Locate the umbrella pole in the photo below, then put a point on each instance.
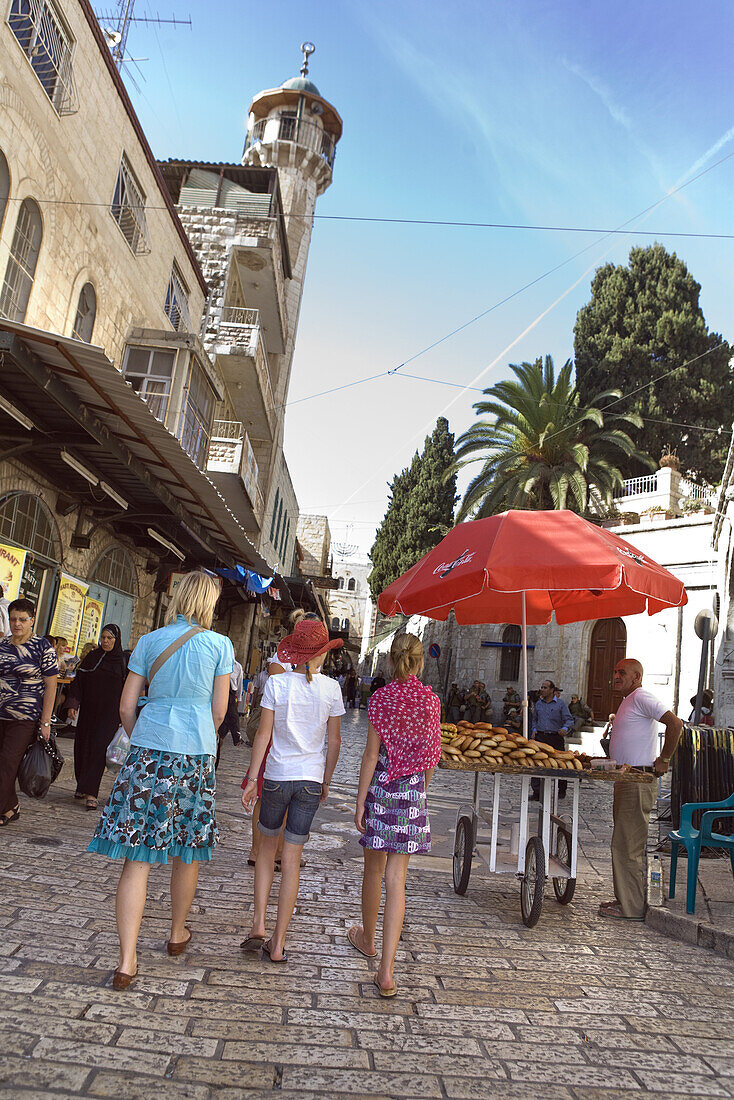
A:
(524, 668)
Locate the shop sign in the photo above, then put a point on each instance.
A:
(67, 617)
(91, 623)
(173, 582)
(32, 579)
(12, 561)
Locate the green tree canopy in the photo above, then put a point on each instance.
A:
(542, 447)
(644, 319)
(420, 510)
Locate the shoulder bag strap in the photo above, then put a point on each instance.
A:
(171, 649)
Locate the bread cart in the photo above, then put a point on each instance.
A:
(533, 853)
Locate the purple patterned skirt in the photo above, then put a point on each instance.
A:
(396, 815)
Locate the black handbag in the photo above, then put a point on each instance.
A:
(39, 767)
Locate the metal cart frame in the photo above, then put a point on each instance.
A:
(552, 851)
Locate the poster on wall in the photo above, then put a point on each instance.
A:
(12, 561)
(31, 581)
(91, 623)
(67, 617)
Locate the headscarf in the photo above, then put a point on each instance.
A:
(100, 660)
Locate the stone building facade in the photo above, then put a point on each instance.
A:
(98, 278)
(349, 601)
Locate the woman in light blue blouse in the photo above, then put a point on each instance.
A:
(162, 802)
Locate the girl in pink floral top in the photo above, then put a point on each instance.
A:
(403, 747)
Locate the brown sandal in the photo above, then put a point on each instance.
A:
(179, 947)
(120, 980)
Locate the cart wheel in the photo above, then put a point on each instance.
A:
(564, 887)
(463, 845)
(533, 882)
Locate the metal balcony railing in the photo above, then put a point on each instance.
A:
(239, 315)
(298, 130)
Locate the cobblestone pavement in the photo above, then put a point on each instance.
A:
(576, 1008)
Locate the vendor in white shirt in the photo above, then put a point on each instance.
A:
(634, 741)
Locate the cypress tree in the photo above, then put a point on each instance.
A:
(420, 511)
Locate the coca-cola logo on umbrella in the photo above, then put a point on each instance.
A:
(445, 568)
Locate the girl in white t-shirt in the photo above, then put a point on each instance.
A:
(301, 711)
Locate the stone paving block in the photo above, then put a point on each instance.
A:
(704, 1046)
(35, 1094)
(96, 1054)
(639, 1060)
(572, 1052)
(724, 1067)
(236, 1012)
(223, 995)
(682, 1027)
(419, 1044)
(374, 1003)
(348, 1082)
(683, 1084)
(296, 1054)
(19, 1073)
(620, 1040)
(121, 1016)
(51, 1024)
(479, 1029)
(444, 1063)
(16, 1042)
(273, 1033)
(172, 1045)
(466, 1012)
(333, 1018)
(458, 1088)
(11, 983)
(105, 994)
(136, 1087)
(570, 1075)
(239, 1075)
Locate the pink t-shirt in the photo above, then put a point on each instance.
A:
(407, 717)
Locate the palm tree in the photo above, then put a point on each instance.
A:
(543, 448)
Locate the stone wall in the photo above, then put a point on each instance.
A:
(314, 536)
(69, 166)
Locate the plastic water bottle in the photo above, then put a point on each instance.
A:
(655, 881)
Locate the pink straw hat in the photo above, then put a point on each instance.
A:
(310, 639)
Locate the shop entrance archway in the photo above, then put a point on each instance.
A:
(608, 646)
(26, 522)
(114, 582)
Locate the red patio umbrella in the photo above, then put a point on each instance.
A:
(521, 567)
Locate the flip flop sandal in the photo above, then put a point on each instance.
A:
(266, 951)
(79, 796)
(12, 816)
(389, 992)
(353, 940)
(91, 804)
(252, 944)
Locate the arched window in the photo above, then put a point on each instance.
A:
(4, 186)
(86, 313)
(21, 269)
(115, 569)
(335, 623)
(352, 584)
(510, 662)
(25, 520)
(345, 624)
(341, 582)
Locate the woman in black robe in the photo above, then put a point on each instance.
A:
(95, 697)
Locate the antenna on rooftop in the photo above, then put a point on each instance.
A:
(115, 27)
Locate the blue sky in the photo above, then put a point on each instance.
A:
(570, 114)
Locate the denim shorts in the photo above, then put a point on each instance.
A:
(299, 798)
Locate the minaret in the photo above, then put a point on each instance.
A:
(294, 129)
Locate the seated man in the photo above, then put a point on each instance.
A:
(513, 721)
(581, 713)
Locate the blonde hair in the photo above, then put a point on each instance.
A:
(195, 598)
(406, 654)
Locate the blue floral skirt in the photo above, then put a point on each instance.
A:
(396, 813)
(161, 805)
